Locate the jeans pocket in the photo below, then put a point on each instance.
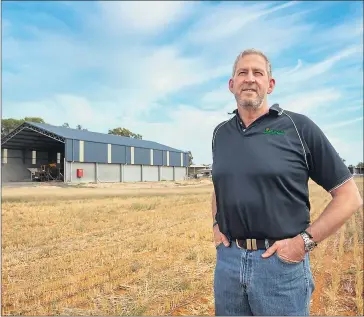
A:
(285, 261)
(219, 245)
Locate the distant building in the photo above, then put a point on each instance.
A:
(356, 170)
(199, 171)
(84, 156)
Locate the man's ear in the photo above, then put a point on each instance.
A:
(231, 85)
(272, 84)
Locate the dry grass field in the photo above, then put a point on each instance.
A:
(141, 249)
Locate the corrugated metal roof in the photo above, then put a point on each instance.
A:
(83, 135)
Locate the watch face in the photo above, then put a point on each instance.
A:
(311, 245)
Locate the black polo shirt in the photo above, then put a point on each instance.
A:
(260, 173)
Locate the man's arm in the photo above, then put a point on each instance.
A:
(218, 236)
(213, 206)
(346, 200)
(328, 170)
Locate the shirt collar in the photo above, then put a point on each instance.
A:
(275, 109)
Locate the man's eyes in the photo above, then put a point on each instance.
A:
(255, 73)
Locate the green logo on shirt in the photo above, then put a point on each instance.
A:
(272, 131)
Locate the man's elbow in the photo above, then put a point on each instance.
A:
(356, 198)
(355, 202)
(350, 193)
(359, 201)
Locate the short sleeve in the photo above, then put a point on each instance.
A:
(326, 167)
(213, 138)
(213, 143)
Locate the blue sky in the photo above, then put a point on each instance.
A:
(161, 69)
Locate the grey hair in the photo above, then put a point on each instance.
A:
(249, 52)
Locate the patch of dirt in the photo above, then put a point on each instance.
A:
(187, 308)
(162, 184)
(318, 298)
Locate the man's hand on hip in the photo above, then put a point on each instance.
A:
(291, 250)
(220, 237)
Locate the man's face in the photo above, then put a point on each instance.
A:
(250, 83)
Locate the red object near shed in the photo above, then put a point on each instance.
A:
(79, 172)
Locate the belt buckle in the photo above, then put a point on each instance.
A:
(237, 244)
(251, 244)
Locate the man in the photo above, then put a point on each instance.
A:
(262, 160)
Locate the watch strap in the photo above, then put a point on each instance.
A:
(309, 234)
(309, 243)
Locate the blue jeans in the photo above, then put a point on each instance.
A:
(246, 284)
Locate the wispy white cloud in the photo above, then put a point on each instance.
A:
(93, 115)
(307, 102)
(142, 16)
(342, 124)
(350, 149)
(342, 33)
(311, 73)
(225, 21)
(226, 29)
(295, 69)
(216, 97)
(346, 109)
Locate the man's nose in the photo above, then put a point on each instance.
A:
(250, 77)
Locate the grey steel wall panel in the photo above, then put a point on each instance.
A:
(89, 172)
(41, 159)
(69, 150)
(15, 170)
(52, 157)
(150, 173)
(186, 160)
(68, 172)
(95, 152)
(14, 153)
(118, 154)
(180, 173)
(141, 156)
(174, 159)
(76, 150)
(166, 173)
(41, 156)
(38, 162)
(164, 158)
(132, 173)
(157, 157)
(128, 155)
(108, 173)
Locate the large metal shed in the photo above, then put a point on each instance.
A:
(85, 156)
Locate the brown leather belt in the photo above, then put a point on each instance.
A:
(254, 244)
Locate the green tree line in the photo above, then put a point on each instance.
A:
(359, 165)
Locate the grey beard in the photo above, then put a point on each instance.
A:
(252, 104)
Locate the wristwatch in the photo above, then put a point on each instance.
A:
(307, 239)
